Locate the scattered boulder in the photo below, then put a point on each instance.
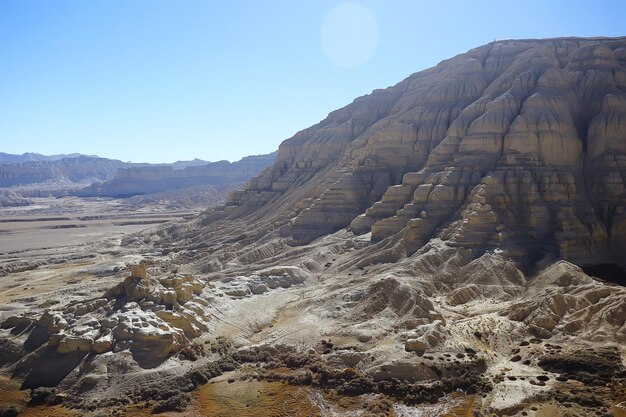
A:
(144, 314)
(424, 337)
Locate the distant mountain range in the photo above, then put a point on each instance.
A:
(86, 175)
(81, 170)
(7, 158)
(150, 179)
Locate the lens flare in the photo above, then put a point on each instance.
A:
(349, 34)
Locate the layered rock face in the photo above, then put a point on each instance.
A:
(7, 158)
(152, 179)
(71, 169)
(87, 176)
(563, 300)
(516, 145)
(451, 195)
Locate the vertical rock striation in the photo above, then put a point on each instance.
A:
(518, 145)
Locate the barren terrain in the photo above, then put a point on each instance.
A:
(452, 245)
(57, 231)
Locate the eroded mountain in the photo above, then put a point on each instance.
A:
(420, 246)
(150, 179)
(516, 145)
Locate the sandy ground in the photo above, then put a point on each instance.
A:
(70, 249)
(67, 246)
(53, 223)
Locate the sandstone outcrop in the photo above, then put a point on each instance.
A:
(563, 300)
(410, 242)
(70, 170)
(401, 299)
(90, 176)
(12, 199)
(424, 337)
(515, 145)
(153, 317)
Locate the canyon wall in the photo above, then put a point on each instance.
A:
(138, 180)
(517, 146)
(75, 169)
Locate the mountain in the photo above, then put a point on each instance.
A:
(93, 176)
(149, 179)
(7, 158)
(516, 146)
(457, 238)
(446, 214)
(184, 164)
(66, 171)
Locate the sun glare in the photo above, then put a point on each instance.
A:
(349, 34)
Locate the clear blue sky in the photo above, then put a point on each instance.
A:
(159, 81)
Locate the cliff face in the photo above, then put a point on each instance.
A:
(516, 145)
(72, 169)
(7, 158)
(153, 179)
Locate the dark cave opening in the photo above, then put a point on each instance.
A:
(607, 272)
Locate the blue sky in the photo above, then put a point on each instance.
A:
(159, 81)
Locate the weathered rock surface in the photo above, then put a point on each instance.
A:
(515, 145)
(10, 198)
(422, 214)
(70, 169)
(150, 179)
(563, 300)
(151, 317)
(424, 337)
(450, 197)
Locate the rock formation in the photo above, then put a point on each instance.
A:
(515, 145)
(564, 300)
(462, 231)
(445, 217)
(68, 170)
(151, 317)
(10, 198)
(7, 158)
(150, 179)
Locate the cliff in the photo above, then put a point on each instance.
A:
(149, 179)
(72, 169)
(7, 158)
(518, 145)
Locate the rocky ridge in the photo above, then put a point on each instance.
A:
(515, 145)
(420, 241)
(150, 179)
(68, 170)
(7, 158)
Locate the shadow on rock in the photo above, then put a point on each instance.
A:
(46, 367)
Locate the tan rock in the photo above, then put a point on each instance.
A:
(169, 297)
(496, 127)
(415, 345)
(104, 343)
(155, 344)
(185, 322)
(139, 271)
(184, 292)
(73, 343)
